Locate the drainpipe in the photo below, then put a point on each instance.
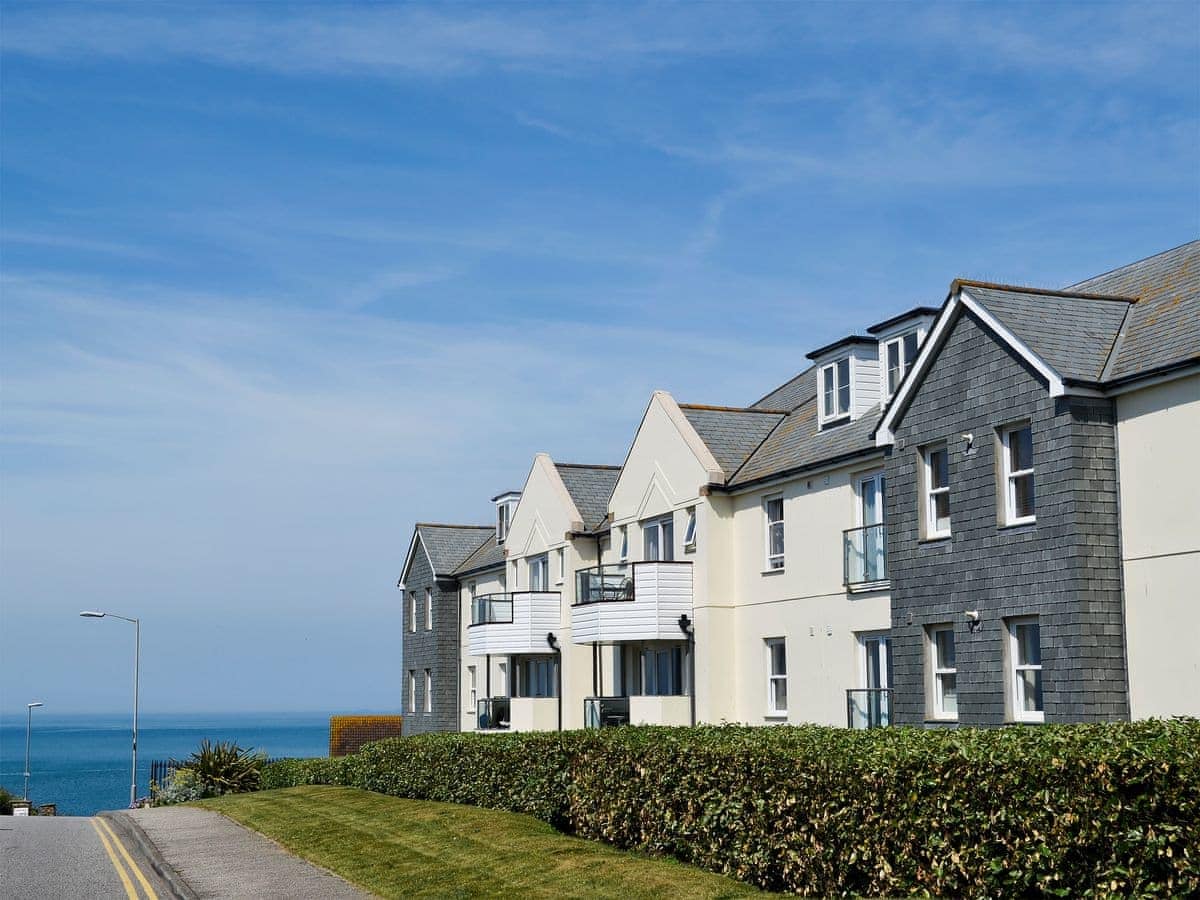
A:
(557, 648)
(688, 627)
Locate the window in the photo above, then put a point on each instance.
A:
(937, 491)
(835, 389)
(539, 574)
(471, 680)
(776, 677)
(428, 609)
(501, 522)
(689, 531)
(562, 565)
(662, 671)
(1025, 668)
(471, 589)
(501, 680)
(900, 353)
(428, 690)
(1017, 455)
(412, 610)
(412, 690)
(945, 674)
(624, 543)
(536, 677)
(773, 507)
(658, 539)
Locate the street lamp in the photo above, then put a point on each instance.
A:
(137, 662)
(29, 707)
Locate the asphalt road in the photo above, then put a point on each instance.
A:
(70, 857)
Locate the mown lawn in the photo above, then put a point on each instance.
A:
(413, 848)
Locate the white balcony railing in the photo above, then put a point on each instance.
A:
(504, 624)
(632, 602)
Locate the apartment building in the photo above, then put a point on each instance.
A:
(975, 513)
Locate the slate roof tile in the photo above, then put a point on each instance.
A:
(449, 545)
(591, 488)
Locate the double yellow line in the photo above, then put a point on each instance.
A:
(109, 839)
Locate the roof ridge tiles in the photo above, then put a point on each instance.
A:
(448, 525)
(745, 409)
(1136, 262)
(587, 466)
(1049, 292)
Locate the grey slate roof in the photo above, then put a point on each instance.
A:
(796, 443)
(1164, 325)
(1073, 334)
(731, 435)
(792, 393)
(449, 545)
(489, 556)
(591, 488)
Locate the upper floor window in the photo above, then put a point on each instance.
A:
(658, 539)
(428, 690)
(1017, 454)
(689, 532)
(412, 690)
(936, 487)
(428, 609)
(562, 565)
(624, 543)
(835, 390)
(1025, 669)
(773, 510)
(899, 355)
(412, 610)
(539, 573)
(943, 672)
(501, 522)
(776, 677)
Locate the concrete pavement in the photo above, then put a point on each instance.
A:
(216, 857)
(71, 857)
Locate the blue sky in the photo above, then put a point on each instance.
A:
(279, 280)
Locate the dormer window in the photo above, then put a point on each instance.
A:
(501, 523)
(899, 355)
(835, 390)
(506, 505)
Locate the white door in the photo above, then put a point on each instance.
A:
(871, 546)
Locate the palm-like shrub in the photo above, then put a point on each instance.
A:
(225, 768)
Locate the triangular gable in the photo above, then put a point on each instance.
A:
(653, 487)
(956, 304)
(408, 559)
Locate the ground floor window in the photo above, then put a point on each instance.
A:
(428, 690)
(412, 690)
(943, 672)
(537, 676)
(657, 669)
(777, 699)
(1025, 669)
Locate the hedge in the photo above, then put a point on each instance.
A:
(1079, 810)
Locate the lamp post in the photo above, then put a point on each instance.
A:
(29, 707)
(137, 662)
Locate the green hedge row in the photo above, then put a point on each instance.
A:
(1059, 810)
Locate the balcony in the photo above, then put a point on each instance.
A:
(605, 712)
(493, 714)
(864, 557)
(503, 624)
(639, 601)
(868, 708)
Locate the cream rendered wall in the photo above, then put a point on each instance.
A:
(543, 518)
(1157, 432)
(805, 603)
(664, 472)
(490, 582)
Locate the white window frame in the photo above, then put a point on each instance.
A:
(937, 671)
(428, 690)
(412, 690)
(929, 493)
(773, 710)
(473, 685)
(412, 612)
(502, 522)
(1011, 475)
(539, 565)
(689, 530)
(837, 414)
(429, 609)
(666, 543)
(904, 364)
(562, 565)
(774, 562)
(624, 555)
(1016, 686)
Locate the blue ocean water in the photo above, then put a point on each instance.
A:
(82, 762)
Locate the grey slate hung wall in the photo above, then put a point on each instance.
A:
(1064, 568)
(436, 650)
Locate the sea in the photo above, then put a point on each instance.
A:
(82, 763)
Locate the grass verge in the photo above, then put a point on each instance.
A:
(415, 848)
